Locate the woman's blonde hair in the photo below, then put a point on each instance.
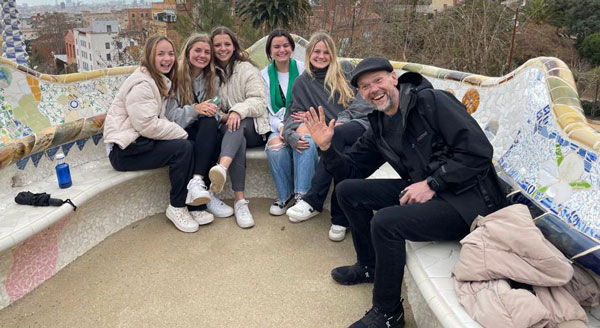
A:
(148, 62)
(335, 80)
(185, 85)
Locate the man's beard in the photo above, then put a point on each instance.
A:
(387, 106)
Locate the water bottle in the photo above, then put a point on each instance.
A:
(62, 172)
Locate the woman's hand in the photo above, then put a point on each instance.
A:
(302, 144)
(206, 108)
(224, 118)
(233, 121)
(302, 129)
(298, 116)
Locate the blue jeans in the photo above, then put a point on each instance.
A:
(285, 159)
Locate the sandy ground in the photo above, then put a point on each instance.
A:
(276, 274)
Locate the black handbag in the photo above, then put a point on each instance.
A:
(139, 146)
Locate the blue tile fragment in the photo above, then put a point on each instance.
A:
(51, 152)
(35, 158)
(81, 142)
(96, 138)
(22, 163)
(587, 166)
(67, 147)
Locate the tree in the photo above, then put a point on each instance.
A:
(590, 49)
(583, 19)
(52, 29)
(204, 16)
(270, 14)
(471, 37)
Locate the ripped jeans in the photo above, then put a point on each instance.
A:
(292, 171)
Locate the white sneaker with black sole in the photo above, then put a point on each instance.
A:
(182, 219)
(337, 232)
(197, 192)
(202, 217)
(217, 175)
(301, 211)
(218, 208)
(280, 206)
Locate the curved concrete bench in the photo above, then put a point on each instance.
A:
(37, 242)
(532, 117)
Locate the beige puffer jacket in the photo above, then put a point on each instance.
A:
(507, 245)
(244, 93)
(139, 110)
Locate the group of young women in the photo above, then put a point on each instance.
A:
(200, 113)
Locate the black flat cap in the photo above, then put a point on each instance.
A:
(369, 65)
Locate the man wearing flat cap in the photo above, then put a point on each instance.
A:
(447, 179)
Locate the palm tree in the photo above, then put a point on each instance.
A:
(269, 14)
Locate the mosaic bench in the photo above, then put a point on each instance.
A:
(532, 116)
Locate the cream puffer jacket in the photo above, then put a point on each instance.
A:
(506, 245)
(139, 110)
(244, 93)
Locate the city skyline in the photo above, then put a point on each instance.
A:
(52, 2)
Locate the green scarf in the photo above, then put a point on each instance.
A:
(276, 101)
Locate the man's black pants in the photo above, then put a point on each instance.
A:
(344, 137)
(379, 240)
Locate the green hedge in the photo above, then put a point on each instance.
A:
(587, 109)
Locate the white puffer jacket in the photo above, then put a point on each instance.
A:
(244, 93)
(139, 110)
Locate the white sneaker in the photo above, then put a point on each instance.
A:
(337, 232)
(218, 208)
(301, 211)
(197, 192)
(280, 206)
(182, 219)
(202, 217)
(217, 175)
(243, 217)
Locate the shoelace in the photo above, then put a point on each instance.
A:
(178, 214)
(243, 209)
(196, 182)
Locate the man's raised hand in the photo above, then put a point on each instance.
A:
(320, 132)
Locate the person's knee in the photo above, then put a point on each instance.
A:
(210, 123)
(275, 145)
(311, 143)
(347, 190)
(183, 145)
(383, 219)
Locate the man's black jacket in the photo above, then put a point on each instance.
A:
(439, 140)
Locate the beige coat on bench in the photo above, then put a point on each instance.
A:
(139, 109)
(507, 245)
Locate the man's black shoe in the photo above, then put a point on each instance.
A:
(377, 319)
(353, 274)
